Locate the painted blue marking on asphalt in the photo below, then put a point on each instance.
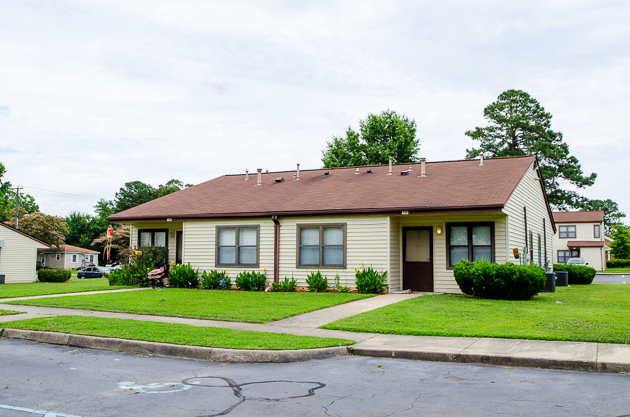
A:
(30, 410)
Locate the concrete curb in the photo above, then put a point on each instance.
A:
(177, 351)
(508, 360)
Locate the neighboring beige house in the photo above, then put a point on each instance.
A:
(18, 255)
(413, 220)
(580, 235)
(67, 257)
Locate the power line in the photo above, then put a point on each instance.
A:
(64, 194)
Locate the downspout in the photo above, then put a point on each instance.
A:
(526, 248)
(276, 249)
(545, 237)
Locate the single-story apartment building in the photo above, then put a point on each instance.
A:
(580, 235)
(67, 257)
(18, 255)
(414, 221)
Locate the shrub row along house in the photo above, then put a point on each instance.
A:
(414, 221)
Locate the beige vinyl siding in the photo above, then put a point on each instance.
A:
(172, 227)
(443, 279)
(583, 231)
(528, 193)
(200, 245)
(18, 257)
(53, 263)
(394, 275)
(366, 242)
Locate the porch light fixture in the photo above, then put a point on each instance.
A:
(438, 230)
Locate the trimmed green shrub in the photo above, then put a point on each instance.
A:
(215, 280)
(578, 274)
(369, 281)
(183, 276)
(316, 283)
(618, 263)
(288, 285)
(251, 281)
(501, 282)
(53, 275)
(136, 274)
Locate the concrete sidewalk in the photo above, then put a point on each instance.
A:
(595, 357)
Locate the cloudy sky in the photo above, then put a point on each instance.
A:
(94, 94)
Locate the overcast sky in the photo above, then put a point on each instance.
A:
(94, 94)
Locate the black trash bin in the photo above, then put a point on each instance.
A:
(550, 285)
(562, 278)
(2, 279)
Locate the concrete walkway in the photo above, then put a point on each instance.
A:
(596, 357)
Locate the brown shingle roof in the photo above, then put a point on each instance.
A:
(578, 216)
(585, 243)
(67, 248)
(448, 186)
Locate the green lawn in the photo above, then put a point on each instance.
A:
(588, 313)
(9, 312)
(180, 334)
(254, 307)
(617, 271)
(45, 288)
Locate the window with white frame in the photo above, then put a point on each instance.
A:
(596, 232)
(567, 232)
(74, 259)
(321, 245)
(237, 245)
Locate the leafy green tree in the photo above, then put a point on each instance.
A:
(50, 229)
(379, 137)
(620, 248)
(612, 214)
(104, 208)
(84, 228)
(170, 187)
(135, 193)
(519, 125)
(8, 200)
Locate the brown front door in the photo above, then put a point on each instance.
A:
(178, 247)
(418, 259)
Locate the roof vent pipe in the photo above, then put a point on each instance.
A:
(423, 169)
(297, 176)
(480, 159)
(357, 172)
(391, 160)
(259, 170)
(246, 174)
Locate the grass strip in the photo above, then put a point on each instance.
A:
(580, 313)
(246, 306)
(617, 271)
(179, 334)
(9, 312)
(46, 288)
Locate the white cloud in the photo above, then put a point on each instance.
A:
(100, 93)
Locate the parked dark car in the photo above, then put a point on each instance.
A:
(92, 272)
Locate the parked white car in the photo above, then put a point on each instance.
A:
(576, 261)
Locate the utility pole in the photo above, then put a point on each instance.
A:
(17, 203)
